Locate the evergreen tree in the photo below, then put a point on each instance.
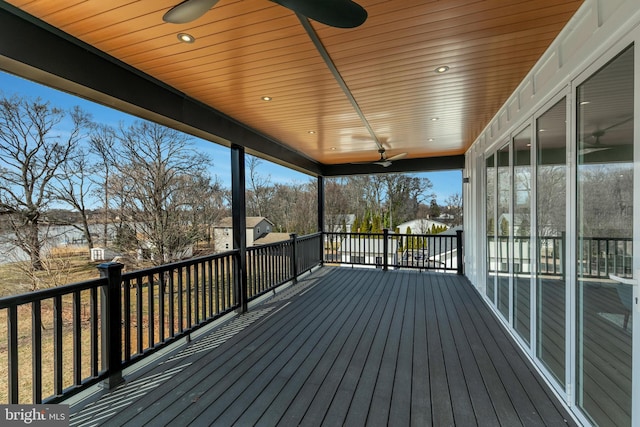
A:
(355, 228)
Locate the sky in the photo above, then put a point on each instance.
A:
(445, 183)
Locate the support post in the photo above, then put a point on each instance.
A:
(111, 323)
(459, 252)
(239, 220)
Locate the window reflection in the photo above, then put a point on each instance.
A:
(551, 176)
(504, 221)
(491, 230)
(521, 230)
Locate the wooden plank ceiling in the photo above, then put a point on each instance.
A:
(247, 49)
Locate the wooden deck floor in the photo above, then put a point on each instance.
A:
(344, 347)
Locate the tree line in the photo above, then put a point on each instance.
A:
(147, 180)
(150, 184)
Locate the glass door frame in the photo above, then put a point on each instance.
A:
(635, 364)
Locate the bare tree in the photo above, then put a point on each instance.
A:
(33, 152)
(205, 201)
(156, 166)
(454, 208)
(551, 191)
(260, 189)
(102, 142)
(404, 194)
(293, 208)
(74, 187)
(336, 205)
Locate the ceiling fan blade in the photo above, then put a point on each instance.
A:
(383, 163)
(335, 13)
(585, 151)
(188, 10)
(397, 157)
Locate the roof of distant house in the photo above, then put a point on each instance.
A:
(252, 221)
(422, 222)
(272, 238)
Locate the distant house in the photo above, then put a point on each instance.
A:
(419, 226)
(257, 227)
(521, 225)
(364, 249)
(272, 238)
(103, 254)
(341, 223)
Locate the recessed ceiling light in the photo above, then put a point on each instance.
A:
(442, 69)
(430, 140)
(333, 148)
(434, 119)
(266, 98)
(311, 132)
(186, 38)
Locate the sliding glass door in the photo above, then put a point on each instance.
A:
(562, 220)
(604, 246)
(551, 219)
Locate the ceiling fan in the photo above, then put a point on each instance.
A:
(592, 147)
(385, 161)
(335, 13)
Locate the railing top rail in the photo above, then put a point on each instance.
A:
(309, 236)
(268, 245)
(442, 235)
(178, 264)
(390, 234)
(43, 294)
(586, 238)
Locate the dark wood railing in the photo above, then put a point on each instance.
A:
(163, 303)
(438, 252)
(89, 331)
(46, 312)
(93, 329)
(268, 266)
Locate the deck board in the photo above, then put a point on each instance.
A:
(354, 347)
(458, 389)
(480, 398)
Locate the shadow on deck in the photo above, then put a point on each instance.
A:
(343, 347)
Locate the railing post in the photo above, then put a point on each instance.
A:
(321, 198)
(385, 249)
(459, 252)
(294, 257)
(111, 323)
